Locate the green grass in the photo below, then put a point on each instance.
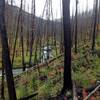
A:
(82, 75)
(85, 70)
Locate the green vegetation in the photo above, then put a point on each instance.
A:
(48, 80)
(86, 67)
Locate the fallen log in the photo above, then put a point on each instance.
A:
(29, 97)
(92, 92)
(41, 65)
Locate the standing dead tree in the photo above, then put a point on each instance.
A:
(32, 34)
(67, 85)
(28, 32)
(95, 23)
(2, 88)
(6, 62)
(16, 34)
(76, 27)
(22, 38)
(61, 41)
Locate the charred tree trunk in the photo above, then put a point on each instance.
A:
(61, 40)
(16, 35)
(67, 47)
(55, 41)
(72, 29)
(22, 38)
(2, 88)
(32, 36)
(76, 28)
(5, 53)
(95, 23)
(28, 32)
(99, 13)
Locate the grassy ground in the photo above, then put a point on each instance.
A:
(18, 57)
(48, 81)
(44, 81)
(85, 71)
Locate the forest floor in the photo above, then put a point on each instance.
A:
(47, 81)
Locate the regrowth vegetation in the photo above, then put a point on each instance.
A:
(44, 58)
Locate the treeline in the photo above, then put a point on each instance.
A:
(85, 22)
(11, 15)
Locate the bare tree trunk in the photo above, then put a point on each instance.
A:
(2, 88)
(32, 32)
(95, 23)
(16, 34)
(5, 53)
(22, 38)
(61, 41)
(67, 47)
(76, 28)
(28, 32)
(72, 29)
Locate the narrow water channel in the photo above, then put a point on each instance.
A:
(15, 72)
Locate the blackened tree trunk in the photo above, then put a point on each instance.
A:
(22, 38)
(95, 23)
(5, 53)
(32, 35)
(61, 40)
(72, 29)
(28, 32)
(16, 35)
(67, 47)
(2, 88)
(76, 27)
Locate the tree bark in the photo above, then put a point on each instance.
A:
(2, 87)
(76, 28)
(95, 23)
(67, 47)
(5, 53)
(22, 38)
(32, 35)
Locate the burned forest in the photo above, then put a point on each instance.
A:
(49, 49)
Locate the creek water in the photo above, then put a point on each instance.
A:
(15, 72)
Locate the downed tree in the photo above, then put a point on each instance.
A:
(92, 92)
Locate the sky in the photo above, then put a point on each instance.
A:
(56, 4)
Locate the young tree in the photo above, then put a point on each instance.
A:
(67, 47)
(5, 53)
